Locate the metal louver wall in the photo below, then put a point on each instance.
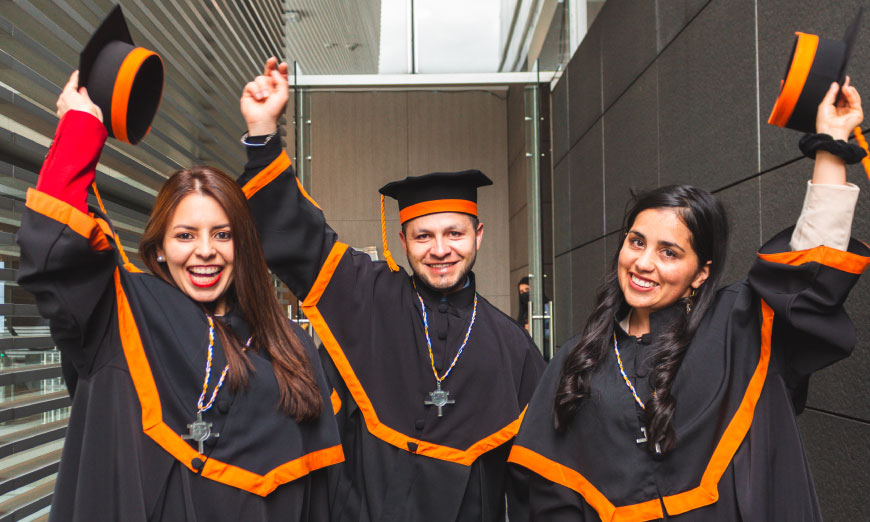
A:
(210, 49)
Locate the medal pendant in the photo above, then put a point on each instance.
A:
(439, 398)
(200, 431)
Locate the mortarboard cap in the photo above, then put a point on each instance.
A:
(436, 192)
(125, 81)
(815, 63)
(431, 193)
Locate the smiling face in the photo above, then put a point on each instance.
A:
(657, 265)
(442, 248)
(198, 249)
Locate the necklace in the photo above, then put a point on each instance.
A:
(440, 398)
(200, 430)
(643, 437)
(625, 377)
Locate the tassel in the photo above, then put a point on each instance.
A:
(127, 264)
(388, 257)
(863, 143)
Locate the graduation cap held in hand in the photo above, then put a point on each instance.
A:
(815, 64)
(125, 81)
(429, 194)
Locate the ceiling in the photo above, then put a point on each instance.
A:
(334, 36)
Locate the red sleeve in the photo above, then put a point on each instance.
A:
(70, 166)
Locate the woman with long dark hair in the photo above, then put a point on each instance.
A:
(678, 400)
(196, 398)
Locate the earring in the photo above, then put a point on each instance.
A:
(689, 302)
(161, 259)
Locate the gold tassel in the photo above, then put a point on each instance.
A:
(863, 143)
(127, 264)
(388, 257)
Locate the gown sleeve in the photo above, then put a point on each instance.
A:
(551, 502)
(293, 230)
(517, 485)
(67, 258)
(806, 290)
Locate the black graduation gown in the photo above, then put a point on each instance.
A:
(404, 463)
(744, 377)
(139, 348)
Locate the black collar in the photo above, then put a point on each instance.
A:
(234, 321)
(659, 321)
(459, 300)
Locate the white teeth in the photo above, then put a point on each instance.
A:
(441, 265)
(205, 270)
(644, 284)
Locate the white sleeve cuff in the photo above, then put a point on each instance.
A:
(826, 218)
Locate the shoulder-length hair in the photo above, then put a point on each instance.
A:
(251, 291)
(705, 218)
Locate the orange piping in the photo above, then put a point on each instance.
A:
(373, 424)
(162, 434)
(62, 212)
(336, 402)
(707, 491)
(844, 261)
(269, 173)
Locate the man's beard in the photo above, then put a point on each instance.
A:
(454, 286)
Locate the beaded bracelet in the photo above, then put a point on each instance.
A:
(848, 152)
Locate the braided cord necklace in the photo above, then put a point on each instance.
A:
(643, 437)
(625, 377)
(200, 430)
(440, 398)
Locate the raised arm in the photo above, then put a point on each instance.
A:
(293, 230)
(826, 217)
(67, 257)
(805, 275)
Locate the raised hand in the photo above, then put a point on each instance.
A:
(838, 120)
(76, 98)
(264, 99)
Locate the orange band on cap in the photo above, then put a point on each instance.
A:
(123, 86)
(801, 62)
(437, 205)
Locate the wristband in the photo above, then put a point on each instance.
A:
(848, 152)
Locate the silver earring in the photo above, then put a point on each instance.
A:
(161, 259)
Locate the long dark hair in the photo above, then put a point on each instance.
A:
(705, 218)
(251, 290)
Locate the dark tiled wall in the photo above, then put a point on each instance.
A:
(679, 91)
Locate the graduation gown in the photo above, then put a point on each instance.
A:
(404, 462)
(739, 455)
(139, 348)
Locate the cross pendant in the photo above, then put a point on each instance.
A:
(439, 398)
(643, 439)
(200, 431)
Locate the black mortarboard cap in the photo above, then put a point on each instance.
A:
(125, 81)
(431, 193)
(436, 192)
(815, 63)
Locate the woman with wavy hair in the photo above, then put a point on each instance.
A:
(196, 399)
(678, 400)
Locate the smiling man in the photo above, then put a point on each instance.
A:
(430, 380)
